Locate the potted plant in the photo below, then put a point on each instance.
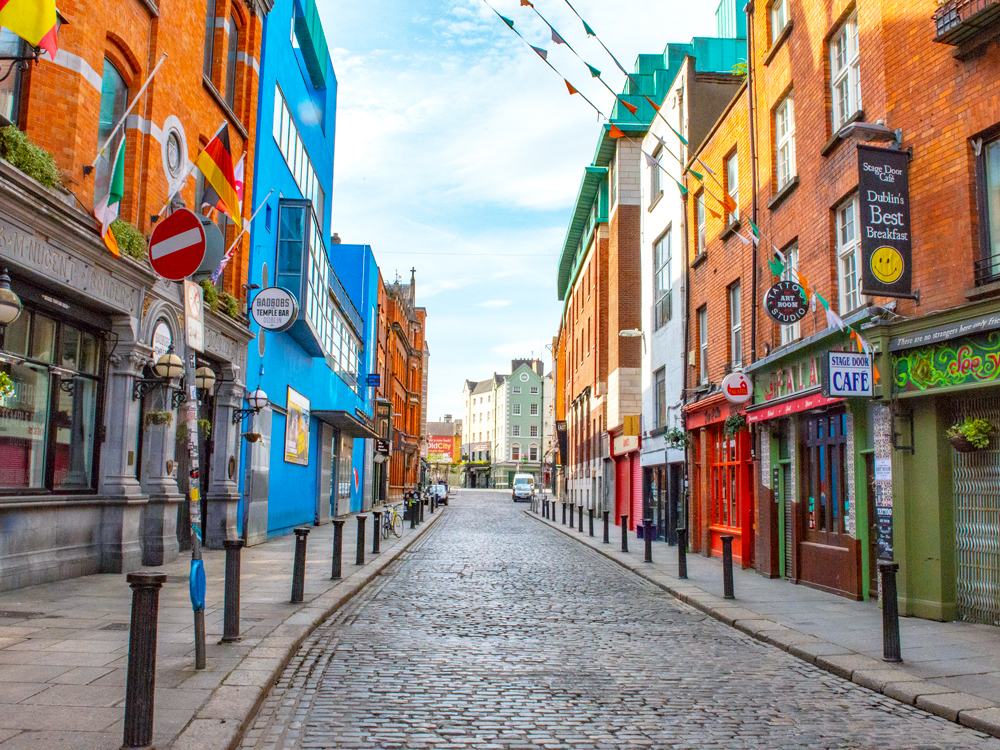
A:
(735, 423)
(159, 418)
(252, 437)
(6, 387)
(970, 435)
(677, 438)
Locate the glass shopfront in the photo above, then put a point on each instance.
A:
(47, 424)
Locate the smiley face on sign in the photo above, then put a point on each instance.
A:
(887, 264)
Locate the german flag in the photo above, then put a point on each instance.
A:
(32, 20)
(216, 163)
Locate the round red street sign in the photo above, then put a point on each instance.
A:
(736, 388)
(177, 246)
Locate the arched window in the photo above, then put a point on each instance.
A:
(114, 99)
(234, 45)
(209, 39)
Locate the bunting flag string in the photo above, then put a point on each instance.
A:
(777, 267)
(544, 55)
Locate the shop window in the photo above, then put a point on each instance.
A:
(663, 289)
(848, 254)
(47, 428)
(791, 332)
(824, 464)
(784, 136)
(660, 397)
(10, 87)
(845, 73)
(114, 100)
(726, 459)
(988, 178)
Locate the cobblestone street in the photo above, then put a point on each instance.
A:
(495, 631)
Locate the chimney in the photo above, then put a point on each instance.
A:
(335, 240)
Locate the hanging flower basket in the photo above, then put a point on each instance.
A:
(252, 437)
(970, 435)
(159, 418)
(962, 444)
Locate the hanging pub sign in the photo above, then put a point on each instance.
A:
(785, 303)
(884, 192)
(846, 375)
(274, 309)
(736, 388)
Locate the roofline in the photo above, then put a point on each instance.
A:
(695, 153)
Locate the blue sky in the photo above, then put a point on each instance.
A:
(459, 153)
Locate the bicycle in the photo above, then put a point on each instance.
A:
(392, 522)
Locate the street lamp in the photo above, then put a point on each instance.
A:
(204, 378)
(258, 400)
(872, 132)
(166, 368)
(10, 303)
(634, 333)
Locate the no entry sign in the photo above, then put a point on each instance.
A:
(177, 246)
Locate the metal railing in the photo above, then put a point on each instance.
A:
(956, 20)
(987, 270)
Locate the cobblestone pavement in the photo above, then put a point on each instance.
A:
(497, 632)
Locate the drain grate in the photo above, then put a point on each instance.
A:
(19, 615)
(116, 626)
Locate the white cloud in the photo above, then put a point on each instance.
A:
(495, 303)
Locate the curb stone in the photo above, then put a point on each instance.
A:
(979, 714)
(221, 722)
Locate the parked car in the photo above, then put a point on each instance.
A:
(524, 487)
(441, 493)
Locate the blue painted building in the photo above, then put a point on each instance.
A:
(313, 458)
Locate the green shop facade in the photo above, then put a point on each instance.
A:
(945, 367)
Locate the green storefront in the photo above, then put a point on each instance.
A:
(946, 368)
(816, 458)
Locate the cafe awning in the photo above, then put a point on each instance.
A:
(346, 422)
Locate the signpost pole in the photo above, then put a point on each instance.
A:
(197, 580)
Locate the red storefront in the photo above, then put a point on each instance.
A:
(628, 477)
(722, 498)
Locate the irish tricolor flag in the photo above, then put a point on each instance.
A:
(32, 20)
(106, 209)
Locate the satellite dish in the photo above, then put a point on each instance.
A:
(215, 249)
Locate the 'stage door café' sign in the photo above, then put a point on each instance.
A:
(886, 245)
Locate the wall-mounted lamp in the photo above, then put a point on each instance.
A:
(258, 400)
(10, 303)
(166, 368)
(872, 132)
(634, 333)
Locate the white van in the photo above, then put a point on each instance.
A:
(524, 487)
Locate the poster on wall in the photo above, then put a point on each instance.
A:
(440, 449)
(297, 429)
(884, 198)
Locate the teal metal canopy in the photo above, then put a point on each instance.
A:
(312, 41)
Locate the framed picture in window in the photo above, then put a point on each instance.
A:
(297, 429)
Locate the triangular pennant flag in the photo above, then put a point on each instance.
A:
(822, 299)
(875, 374)
(570, 87)
(777, 267)
(779, 253)
(743, 239)
(527, 3)
(699, 177)
(630, 107)
(681, 137)
(541, 53)
(555, 36)
(730, 204)
(832, 319)
(705, 166)
(652, 104)
(663, 143)
(753, 226)
(506, 20)
(805, 285)
(650, 161)
(684, 190)
(615, 132)
(586, 27)
(594, 72)
(716, 214)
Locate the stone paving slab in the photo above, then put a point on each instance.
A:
(64, 645)
(950, 669)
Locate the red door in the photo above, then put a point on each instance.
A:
(729, 505)
(621, 490)
(636, 490)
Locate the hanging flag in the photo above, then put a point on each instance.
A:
(541, 53)
(804, 283)
(753, 226)
(570, 87)
(527, 3)
(615, 132)
(35, 21)
(106, 209)
(684, 190)
(875, 374)
(650, 161)
(730, 204)
(555, 35)
(630, 107)
(211, 198)
(699, 177)
(216, 163)
(743, 239)
(652, 103)
(506, 20)
(779, 253)
(777, 267)
(716, 214)
(594, 72)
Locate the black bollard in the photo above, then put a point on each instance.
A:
(338, 547)
(140, 683)
(581, 519)
(564, 513)
(607, 538)
(590, 512)
(376, 531)
(647, 537)
(231, 616)
(890, 613)
(433, 502)
(362, 520)
(413, 513)
(727, 567)
(545, 508)
(624, 533)
(299, 568)
(682, 561)
(421, 502)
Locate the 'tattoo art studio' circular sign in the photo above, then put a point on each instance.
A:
(785, 303)
(274, 309)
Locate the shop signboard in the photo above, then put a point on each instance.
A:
(847, 375)
(297, 429)
(884, 192)
(736, 388)
(625, 444)
(785, 303)
(968, 361)
(274, 309)
(440, 449)
(945, 332)
(194, 315)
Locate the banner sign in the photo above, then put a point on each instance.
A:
(884, 192)
(297, 429)
(440, 449)
(847, 375)
(785, 303)
(974, 360)
(945, 332)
